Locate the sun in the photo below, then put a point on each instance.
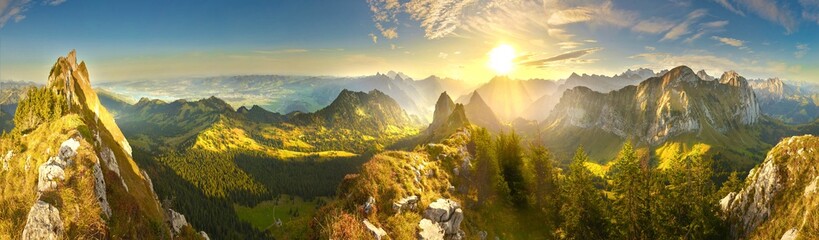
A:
(501, 59)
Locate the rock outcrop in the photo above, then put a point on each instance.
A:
(780, 195)
(660, 107)
(43, 222)
(377, 232)
(177, 221)
(443, 108)
(441, 218)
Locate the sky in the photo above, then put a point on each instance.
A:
(141, 40)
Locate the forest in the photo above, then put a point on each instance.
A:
(633, 200)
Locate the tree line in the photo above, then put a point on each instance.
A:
(632, 200)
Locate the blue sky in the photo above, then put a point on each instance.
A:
(132, 40)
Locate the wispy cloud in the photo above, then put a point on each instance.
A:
(801, 50)
(282, 51)
(729, 41)
(708, 27)
(682, 28)
(561, 57)
(14, 10)
(730, 7)
(569, 45)
(771, 10)
(384, 16)
(373, 37)
(650, 48)
(810, 10)
(653, 25)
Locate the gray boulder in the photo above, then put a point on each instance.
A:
(99, 190)
(177, 221)
(447, 214)
(50, 173)
(405, 203)
(43, 222)
(377, 232)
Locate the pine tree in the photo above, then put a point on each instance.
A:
(545, 186)
(582, 211)
(630, 186)
(487, 171)
(510, 156)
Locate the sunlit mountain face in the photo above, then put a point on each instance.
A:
(409, 119)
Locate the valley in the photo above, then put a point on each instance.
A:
(409, 120)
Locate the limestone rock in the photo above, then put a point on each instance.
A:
(68, 149)
(43, 222)
(107, 155)
(377, 232)
(204, 235)
(790, 234)
(405, 203)
(447, 214)
(50, 173)
(368, 206)
(428, 230)
(177, 221)
(6, 160)
(99, 190)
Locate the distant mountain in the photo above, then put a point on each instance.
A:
(479, 113)
(443, 108)
(370, 112)
(73, 168)
(704, 76)
(675, 111)
(778, 197)
(286, 94)
(506, 97)
(786, 102)
(661, 107)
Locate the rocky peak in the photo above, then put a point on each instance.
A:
(443, 108)
(679, 75)
(733, 78)
(788, 170)
(704, 76)
(479, 113)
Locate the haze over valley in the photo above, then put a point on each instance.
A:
(385, 119)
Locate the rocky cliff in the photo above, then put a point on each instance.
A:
(71, 175)
(780, 198)
(660, 107)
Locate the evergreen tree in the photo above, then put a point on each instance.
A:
(510, 156)
(545, 186)
(487, 170)
(582, 211)
(630, 186)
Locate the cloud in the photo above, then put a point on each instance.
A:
(810, 10)
(603, 13)
(801, 50)
(384, 16)
(729, 41)
(54, 2)
(650, 48)
(730, 7)
(374, 37)
(569, 45)
(771, 10)
(708, 27)
(14, 10)
(653, 25)
(437, 18)
(713, 64)
(283, 51)
(681, 29)
(443, 55)
(518, 19)
(580, 14)
(715, 24)
(561, 57)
